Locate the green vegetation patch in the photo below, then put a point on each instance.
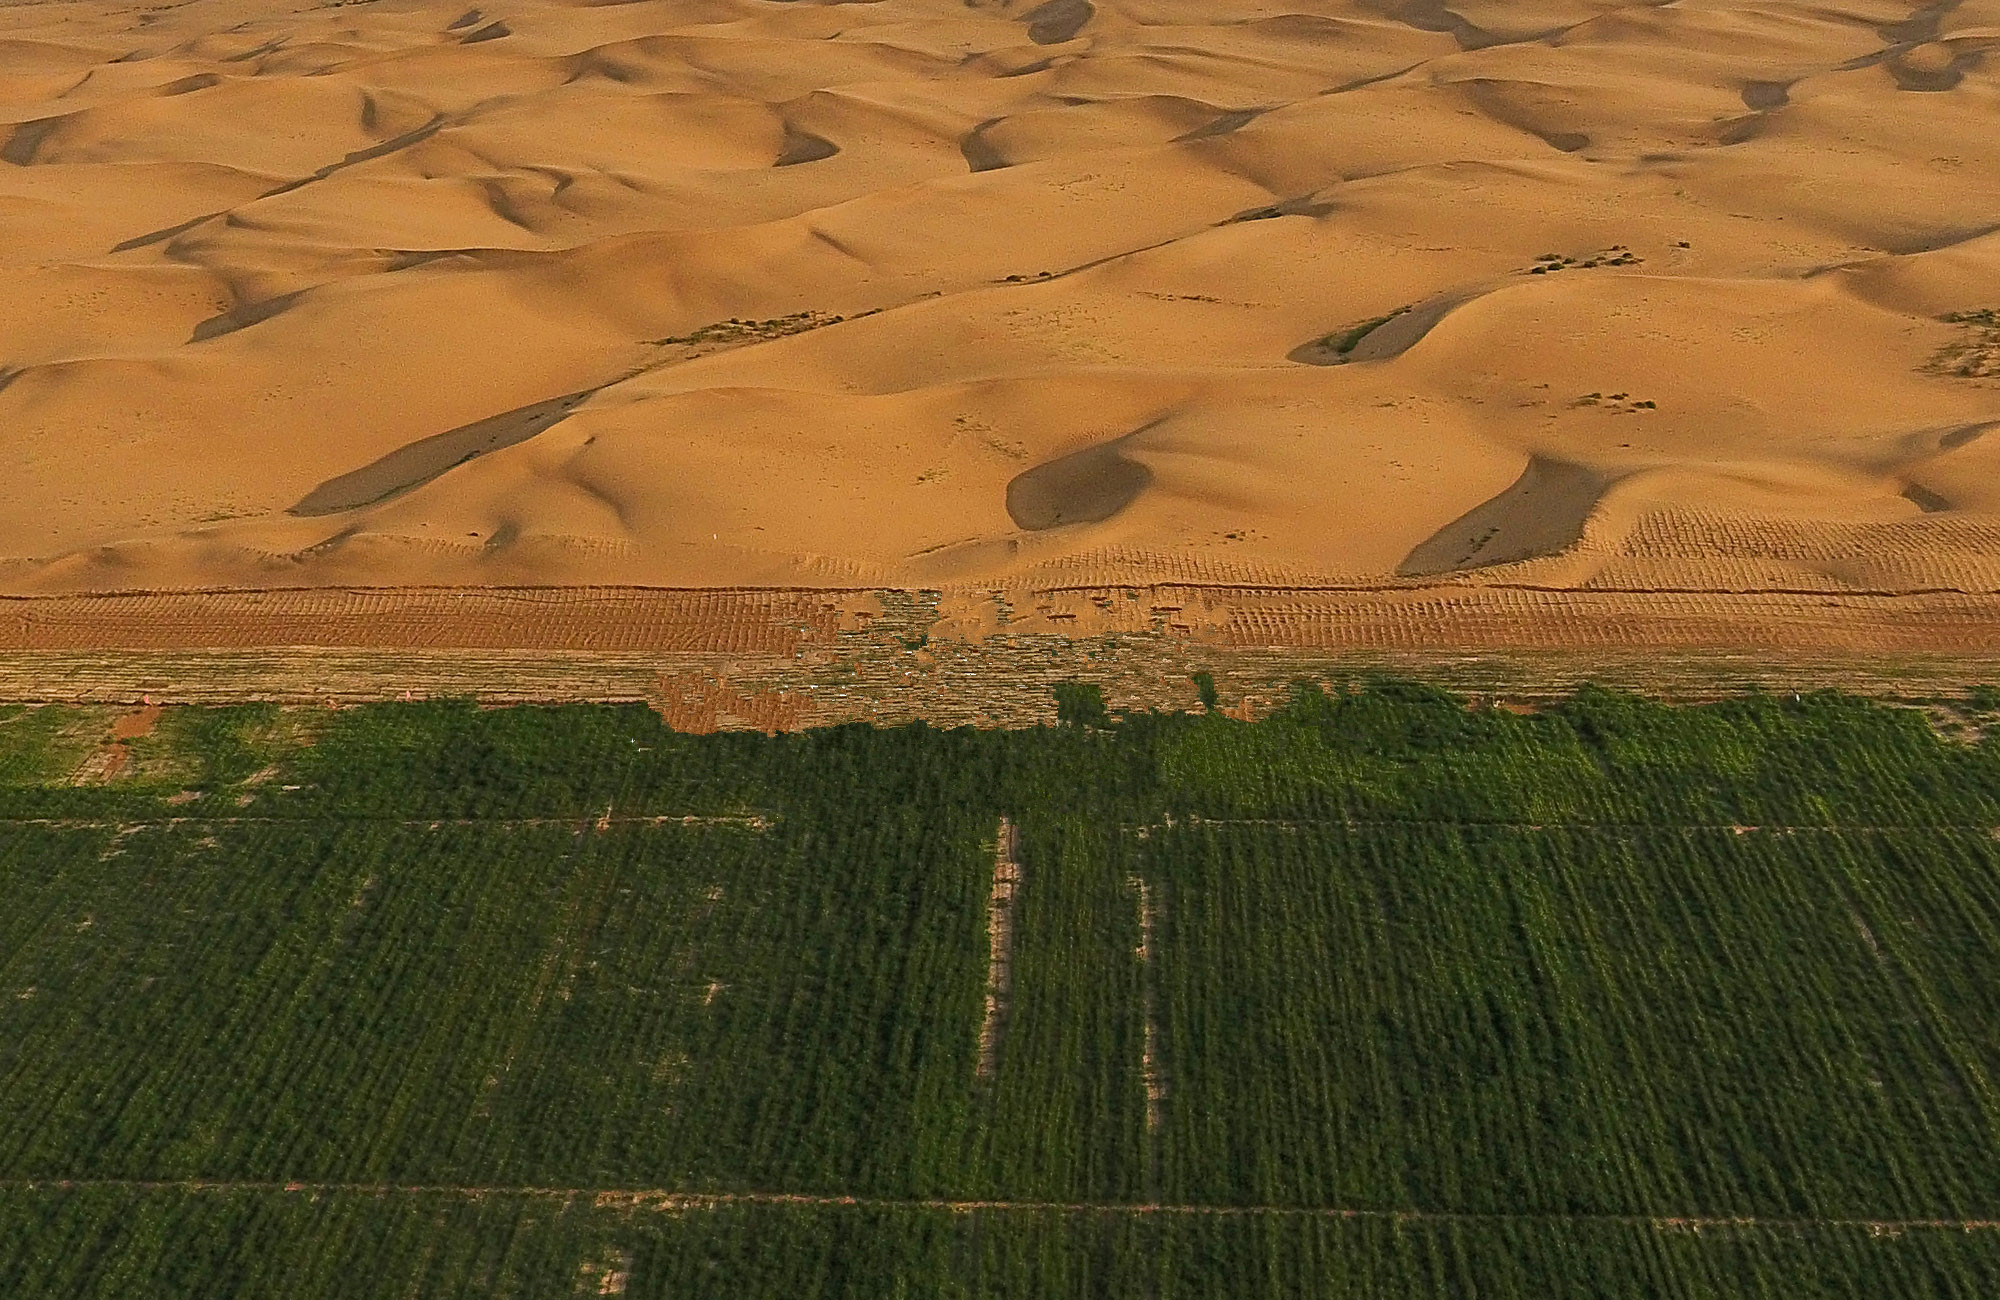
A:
(42, 745)
(1389, 994)
(364, 1245)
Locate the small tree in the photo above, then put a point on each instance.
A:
(1081, 704)
(1204, 684)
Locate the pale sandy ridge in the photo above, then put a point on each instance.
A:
(922, 293)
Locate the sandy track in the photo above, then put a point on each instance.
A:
(782, 660)
(1000, 944)
(660, 1200)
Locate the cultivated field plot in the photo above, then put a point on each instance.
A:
(1388, 994)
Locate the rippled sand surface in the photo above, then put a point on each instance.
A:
(929, 292)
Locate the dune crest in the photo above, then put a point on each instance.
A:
(922, 292)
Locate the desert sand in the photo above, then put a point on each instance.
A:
(940, 293)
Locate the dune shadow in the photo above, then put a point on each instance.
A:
(1741, 130)
(1924, 499)
(188, 85)
(1381, 338)
(1303, 205)
(1226, 124)
(417, 463)
(1943, 237)
(165, 233)
(1919, 27)
(979, 152)
(1084, 487)
(1966, 433)
(1434, 16)
(803, 147)
(1932, 80)
(372, 152)
(1764, 96)
(1058, 20)
(242, 316)
(1542, 513)
(26, 141)
(1492, 97)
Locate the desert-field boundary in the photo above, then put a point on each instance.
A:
(779, 659)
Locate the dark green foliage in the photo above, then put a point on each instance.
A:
(31, 748)
(113, 1244)
(1440, 1001)
(226, 745)
(268, 1024)
(1064, 1118)
(1081, 704)
(1204, 685)
(1747, 1023)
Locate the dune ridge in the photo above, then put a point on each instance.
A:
(964, 293)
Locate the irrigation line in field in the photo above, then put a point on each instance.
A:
(1000, 943)
(759, 822)
(584, 821)
(1149, 1057)
(1149, 1045)
(1143, 829)
(660, 1199)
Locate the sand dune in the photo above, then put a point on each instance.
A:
(963, 292)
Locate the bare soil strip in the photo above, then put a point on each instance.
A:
(115, 755)
(1156, 1084)
(668, 1201)
(1000, 943)
(785, 660)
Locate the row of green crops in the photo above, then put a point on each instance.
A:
(646, 1005)
(1535, 983)
(83, 1244)
(1499, 1020)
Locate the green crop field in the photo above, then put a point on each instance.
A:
(1388, 995)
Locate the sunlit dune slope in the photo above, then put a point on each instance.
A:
(944, 292)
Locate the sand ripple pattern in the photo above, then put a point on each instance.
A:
(943, 293)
